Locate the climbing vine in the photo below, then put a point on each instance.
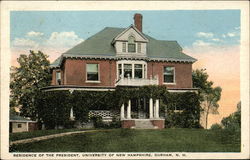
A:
(54, 106)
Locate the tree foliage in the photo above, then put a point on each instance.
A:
(209, 96)
(26, 80)
(233, 121)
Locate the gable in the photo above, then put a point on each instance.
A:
(131, 31)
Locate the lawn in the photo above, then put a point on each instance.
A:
(129, 140)
(38, 133)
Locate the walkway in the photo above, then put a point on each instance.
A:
(51, 136)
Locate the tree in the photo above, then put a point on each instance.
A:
(233, 121)
(209, 96)
(26, 80)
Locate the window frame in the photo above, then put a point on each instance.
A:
(19, 125)
(174, 75)
(98, 72)
(129, 43)
(124, 47)
(58, 78)
(133, 63)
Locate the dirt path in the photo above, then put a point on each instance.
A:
(51, 136)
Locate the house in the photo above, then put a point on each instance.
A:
(125, 57)
(21, 124)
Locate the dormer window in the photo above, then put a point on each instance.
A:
(131, 44)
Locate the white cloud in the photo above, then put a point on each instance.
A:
(24, 43)
(205, 34)
(231, 34)
(34, 34)
(56, 41)
(63, 39)
(200, 43)
(237, 28)
(216, 39)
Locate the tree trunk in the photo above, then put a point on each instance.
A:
(207, 112)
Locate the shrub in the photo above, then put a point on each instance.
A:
(216, 127)
(188, 109)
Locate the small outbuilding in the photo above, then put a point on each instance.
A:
(21, 124)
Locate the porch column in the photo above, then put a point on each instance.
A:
(157, 108)
(71, 114)
(154, 108)
(150, 108)
(129, 110)
(122, 111)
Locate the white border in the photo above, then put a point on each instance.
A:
(7, 6)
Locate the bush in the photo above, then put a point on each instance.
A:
(216, 127)
(188, 115)
(97, 121)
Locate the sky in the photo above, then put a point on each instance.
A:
(211, 36)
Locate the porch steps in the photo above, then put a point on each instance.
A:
(144, 124)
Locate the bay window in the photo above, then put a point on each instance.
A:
(131, 69)
(92, 72)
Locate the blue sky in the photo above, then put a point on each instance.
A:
(193, 27)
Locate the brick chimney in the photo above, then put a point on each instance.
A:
(138, 21)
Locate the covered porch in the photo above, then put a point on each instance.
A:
(141, 113)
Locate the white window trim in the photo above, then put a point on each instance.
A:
(58, 71)
(122, 62)
(91, 81)
(172, 83)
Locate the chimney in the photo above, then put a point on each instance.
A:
(138, 21)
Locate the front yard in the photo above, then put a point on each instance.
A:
(127, 140)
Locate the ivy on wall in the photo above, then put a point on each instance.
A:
(54, 106)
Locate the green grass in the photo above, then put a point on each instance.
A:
(126, 140)
(38, 133)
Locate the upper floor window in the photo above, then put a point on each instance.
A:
(58, 77)
(138, 70)
(127, 70)
(123, 46)
(131, 44)
(92, 72)
(169, 75)
(139, 47)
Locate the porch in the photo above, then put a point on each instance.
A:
(146, 117)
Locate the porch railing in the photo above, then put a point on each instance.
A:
(136, 82)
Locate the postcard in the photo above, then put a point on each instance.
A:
(125, 80)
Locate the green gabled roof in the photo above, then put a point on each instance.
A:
(165, 49)
(100, 45)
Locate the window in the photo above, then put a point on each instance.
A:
(139, 47)
(138, 70)
(131, 69)
(120, 70)
(123, 46)
(131, 44)
(127, 70)
(169, 75)
(92, 72)
(58, 77)
(19, 125)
